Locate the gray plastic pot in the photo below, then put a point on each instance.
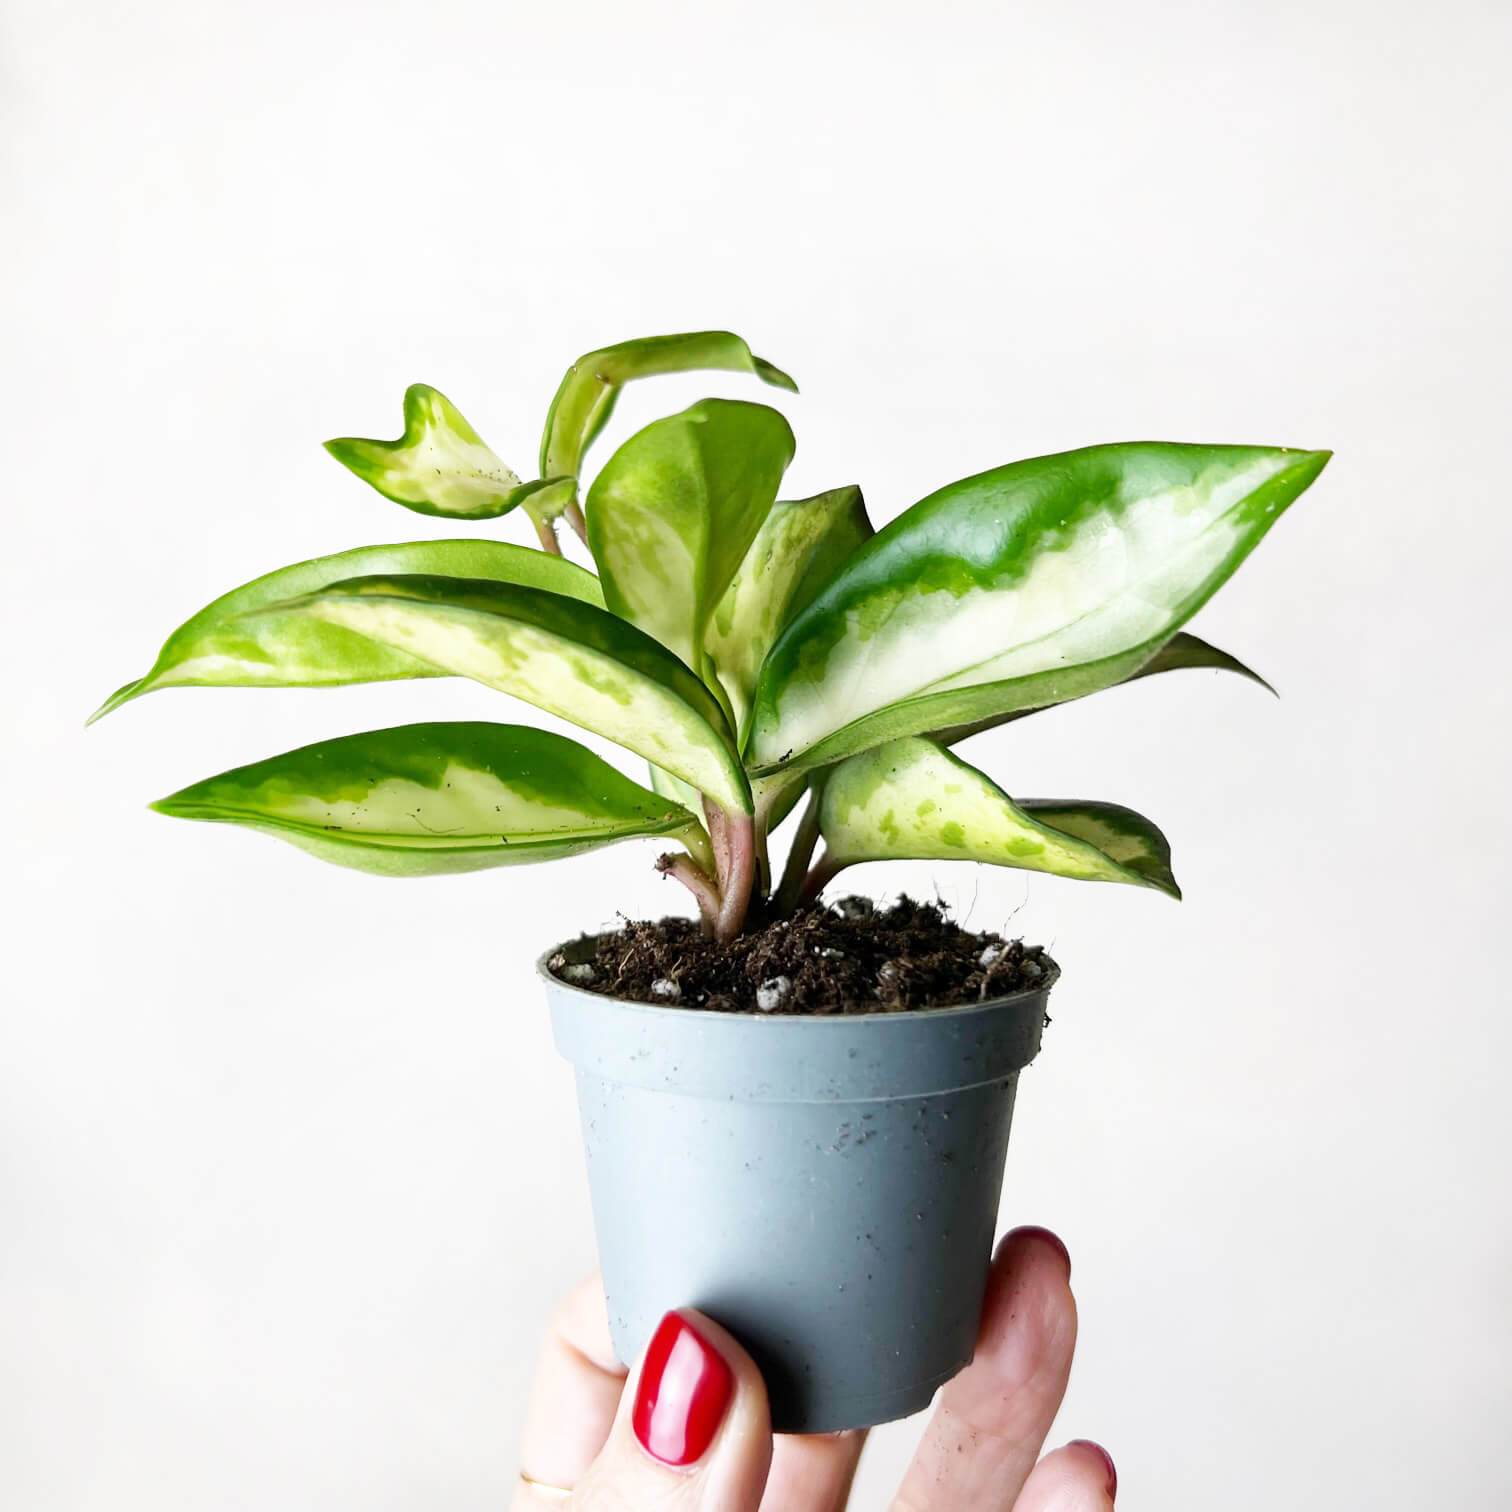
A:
(826, 1187)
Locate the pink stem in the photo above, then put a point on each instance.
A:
(824, 871)
(546, 530)
(734, 837)
(574, 513)
(685, 871)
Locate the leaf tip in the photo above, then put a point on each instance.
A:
(1246, 671)
(1310, 463)
(187, 803)
(770, 373)
(347, 450)
(121, 695)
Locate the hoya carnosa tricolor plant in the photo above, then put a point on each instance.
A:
(753, 651)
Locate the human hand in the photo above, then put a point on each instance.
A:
(693, 1431)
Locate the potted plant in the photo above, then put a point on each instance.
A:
(795, 1114)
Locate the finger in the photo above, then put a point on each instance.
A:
(577, 1388)
(812, 1472)
(992, 1419)
(1078, 1478)
(692, 1431)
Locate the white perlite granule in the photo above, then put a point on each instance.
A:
(773, 993)
(666, 989)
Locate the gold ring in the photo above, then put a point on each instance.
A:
(545, 1490)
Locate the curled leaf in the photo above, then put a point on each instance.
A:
(439, 466)
(587, 394)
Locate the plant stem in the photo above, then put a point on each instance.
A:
(574, 513)
(734, 837)
(696, 839)
(804, 840)
(736, 899)
(546, 530)
(824, 871)
(763, 884)
(685, 870)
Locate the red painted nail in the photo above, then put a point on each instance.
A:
(685, 1387)
(1107, 1460)
(1046, 1237)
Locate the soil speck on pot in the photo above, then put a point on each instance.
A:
(849, 957)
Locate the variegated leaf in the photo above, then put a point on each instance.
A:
(676, 508)
(564, 656)
(912, 800)
(439, 466)
(426, 799)
(777, 796)
(799, 548)
(1126, 838)
(245, 640)
(1179, 652)
(685, 793)
(696, 838)
(586, 396)
(1020, 588)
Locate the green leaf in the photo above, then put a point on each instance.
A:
(1126, 838)
(580, 663)
(546, 498)
(245, 639)
(1023, 587)
(587, 394)
(696, 836)
(912, 800)
(668, 786)
(777, 796)
(676, 508)
(799, 548)
(439, 466)
(425, 799)
(1180, 651)
(1186, 650)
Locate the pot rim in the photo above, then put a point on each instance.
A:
(724, 1016)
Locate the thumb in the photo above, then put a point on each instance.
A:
(692, 1430)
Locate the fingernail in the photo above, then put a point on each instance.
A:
(1107, 1460)
(1053, 1240)
(685, 1387)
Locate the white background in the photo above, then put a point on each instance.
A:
(289, 1170)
